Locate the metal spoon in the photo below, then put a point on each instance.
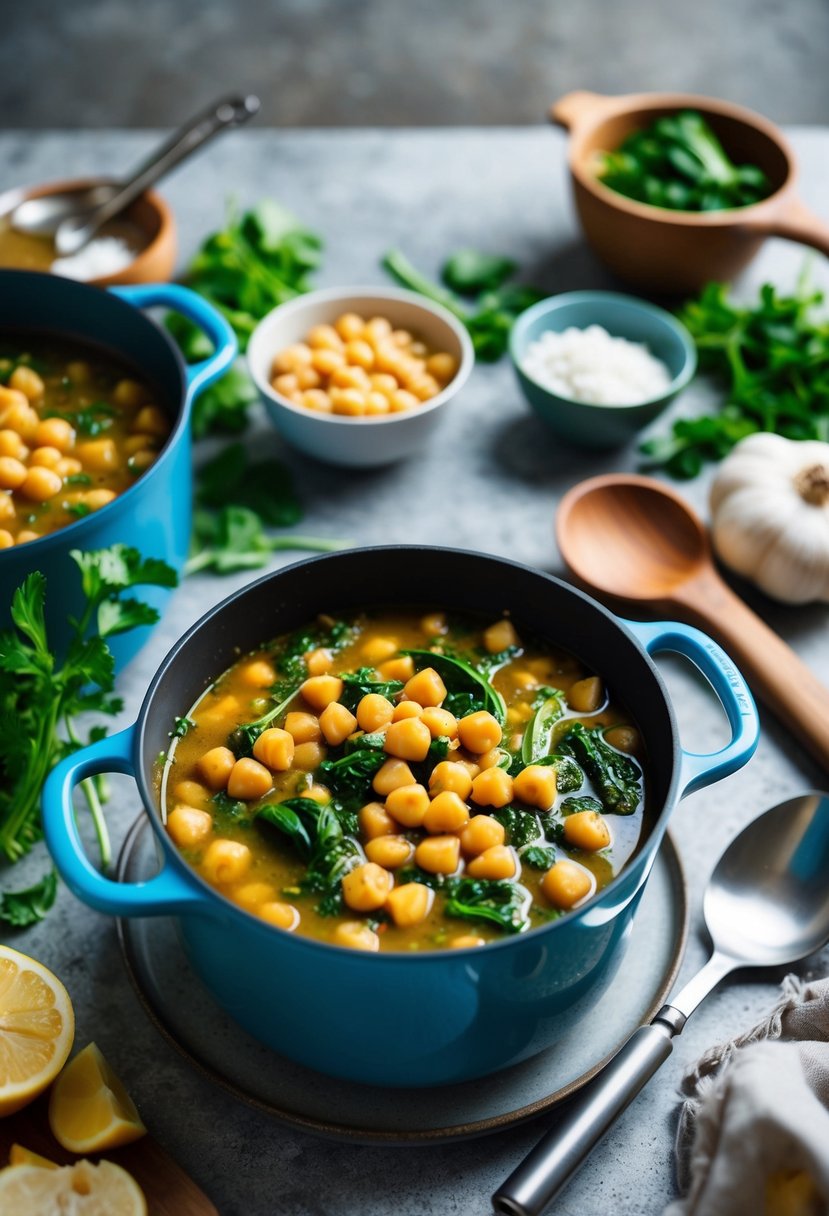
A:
(638, 541)
(73, 218)
(766, 905)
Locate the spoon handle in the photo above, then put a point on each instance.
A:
(76, 231)
(771, 667)
(586, 1119)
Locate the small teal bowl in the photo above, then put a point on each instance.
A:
(602, 426)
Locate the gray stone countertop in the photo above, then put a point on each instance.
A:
(491, 482)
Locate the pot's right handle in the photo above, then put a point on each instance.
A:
(697, 769)
(575, 108)
(796, 222)
(167, 894)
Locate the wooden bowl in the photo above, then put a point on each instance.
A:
(150, 213)
(664, 251)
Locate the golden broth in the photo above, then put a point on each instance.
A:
(272, 872)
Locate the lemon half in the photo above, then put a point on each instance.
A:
(37, 1027)
(83, 1189)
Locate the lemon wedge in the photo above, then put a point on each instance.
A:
(18, 1155)
(83, 1189)
(37, 1027)
(89, 1109)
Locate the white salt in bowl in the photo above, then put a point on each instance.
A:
(586, 423)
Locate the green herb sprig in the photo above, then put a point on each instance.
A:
(41, 697)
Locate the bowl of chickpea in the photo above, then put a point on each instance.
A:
(366, 832)
(357, 376)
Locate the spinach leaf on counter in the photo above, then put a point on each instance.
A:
(22, 908)
(41, 695)
(772, 358)
(490, 317)
(263, 486)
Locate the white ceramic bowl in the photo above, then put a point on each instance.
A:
(335, 438)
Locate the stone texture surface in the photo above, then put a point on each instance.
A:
(106, 63)
(495, 474)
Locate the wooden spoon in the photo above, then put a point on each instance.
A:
(637, 540)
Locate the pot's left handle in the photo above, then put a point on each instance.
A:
(168, 893)
(196, 309)
(699, 770)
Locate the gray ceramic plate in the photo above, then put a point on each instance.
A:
(185, 1013)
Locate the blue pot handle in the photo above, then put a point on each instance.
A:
(196, 309)
(168, 893)
(731, 689)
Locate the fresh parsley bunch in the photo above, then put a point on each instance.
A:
(42, 695)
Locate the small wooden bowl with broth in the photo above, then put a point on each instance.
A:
(374, 324)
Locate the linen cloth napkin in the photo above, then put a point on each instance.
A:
(753, 1134)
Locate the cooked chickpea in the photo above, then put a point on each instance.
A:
(192, 794)
(377, 329)
(286, 384)
(452, 777)
(326, 362)
(586, 696)
(441, 724)
(567, 883)
(319, 662)
(376, 403)
(226, 861)
(12, 473)
(375, 821)
(317, 399)
(11, 444)
(625, 738)
(41, 484)
(397, 669)
(375, 650)
(410, 904)
(391, 776)
(218, 711)
(356, 936)
(390, 851)
(280, 915)
(16, 414)
(408, 740)
(129, 393)
(366, 887)
(95, 499)
(466, 941)
(439, 854)
(374, 712)
(479, 732)
(350, 377)
(26, 535)
(408, 804)
(536, 785)
(248, 780)
(79, 371)
(442, 366)
(6, 539)
(349, 326)
(447, 813)
(482, 833)
(215, 767)
(492, 787)
(318, 793)
(45, 458)
(501, 636)
(497, 862)
(384, 382)
(288, 360)
(337, 723)
(302, 727)
(275, 749)
(360, 354)
(25, 380)
(189, 826)
(68, 467)
(307, 378)
(587, 830)
(258, 673)
(426, 687)
(139, 462)
(424, 387)
(324, 337)
(308, 756)
(406, 709)
(251, 894)
(350, 402)
(99, 455)
(494, 758)
(403, 400)
(321, 691)
(55, 433)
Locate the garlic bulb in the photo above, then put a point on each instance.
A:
(770, 515)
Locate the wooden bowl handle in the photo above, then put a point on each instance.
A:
(796, 223)
(575, 108)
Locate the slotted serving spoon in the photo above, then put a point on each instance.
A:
(636, 540)
(766, 905)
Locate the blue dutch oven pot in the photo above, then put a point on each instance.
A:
(154, 514)
(409, 1019)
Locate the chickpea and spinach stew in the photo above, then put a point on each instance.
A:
(405, 782)
(76, 430)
